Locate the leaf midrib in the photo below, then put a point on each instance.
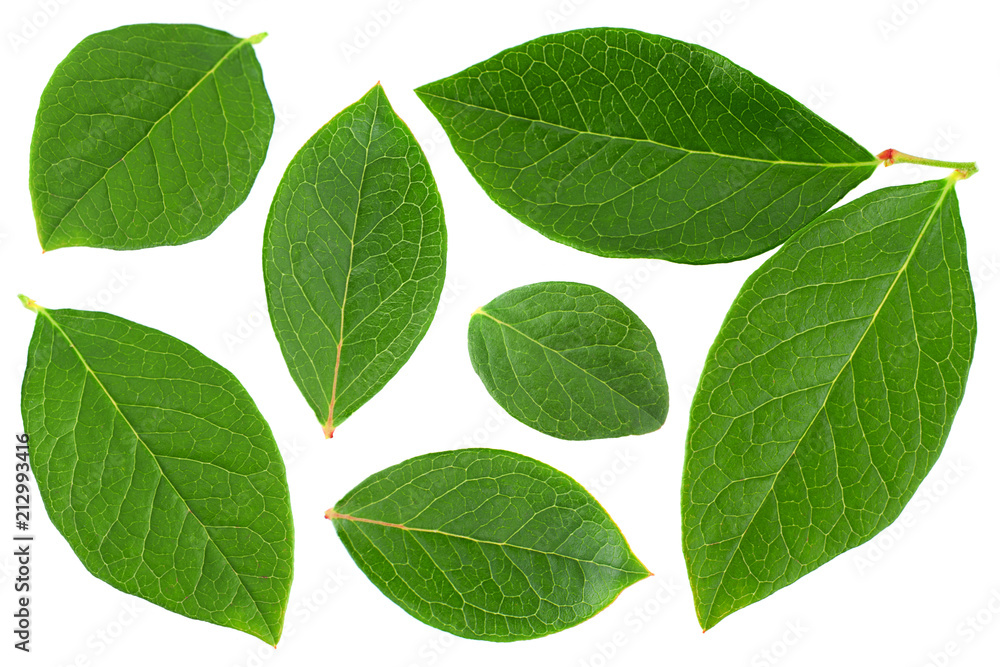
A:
(329, 426)
(824, 165)
(148, 133)
(950, 183)
(480, 311)
(337, 516)
(45, 313)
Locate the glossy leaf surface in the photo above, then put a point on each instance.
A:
(626, 144)
(569, 360)
(158, 469)
(147, 135)
(486, 544)
(828, 394)
(354, 257)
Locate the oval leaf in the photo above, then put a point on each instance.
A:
(827, 395)
(157, 468)
(354, 257)
(148, 135)
(626, 144)
(569, 360)
(486, 544)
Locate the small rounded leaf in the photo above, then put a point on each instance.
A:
(569, 360)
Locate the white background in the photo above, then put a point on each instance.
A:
(917, 76)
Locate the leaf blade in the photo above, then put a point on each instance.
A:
(581, 138)
(348, 313)
(525, 520)
(569, 360)
(126, 151)
(161, 474)
(876, 274)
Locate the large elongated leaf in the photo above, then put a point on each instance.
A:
(486, 544)
(148, 135)
(626, 144)
(157, 468)
(354, 257)
(569, 360)
(827, 395)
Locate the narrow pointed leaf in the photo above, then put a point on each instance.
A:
(486, 544)
(147, 135)
(354, 257)
(828, 394)
(626, 144)
(569, 360)
(158, 469)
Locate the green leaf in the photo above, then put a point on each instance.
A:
(147, 135)
(354, 257)
(486, 544)
(569, 360)
(828, 394)
(626, 144)
(158, 469)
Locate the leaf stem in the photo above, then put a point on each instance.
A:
(891, 156)
(29, 303)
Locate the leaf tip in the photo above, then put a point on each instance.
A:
(379, 92)
(258, 38)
